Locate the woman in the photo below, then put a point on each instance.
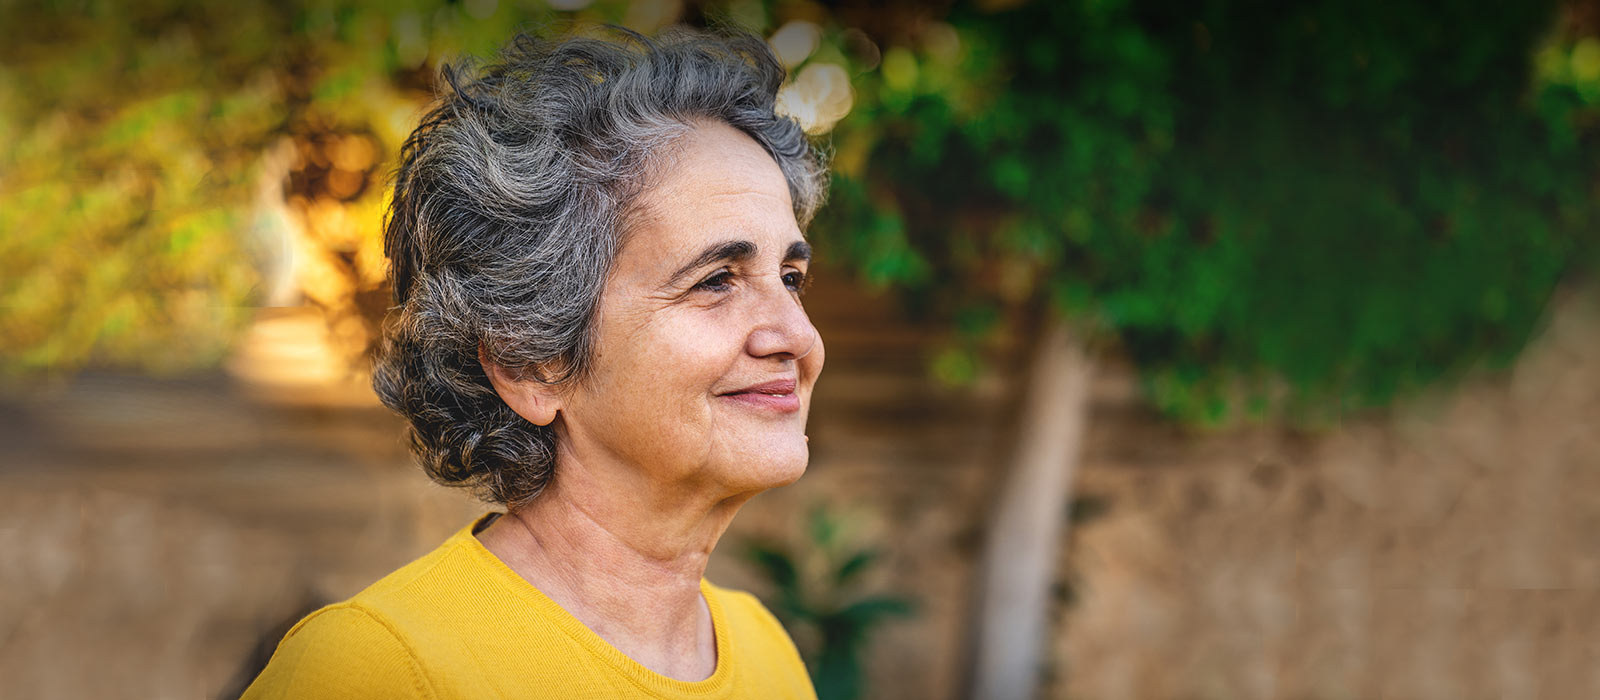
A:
(597, 256)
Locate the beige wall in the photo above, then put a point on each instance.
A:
(1449, 549)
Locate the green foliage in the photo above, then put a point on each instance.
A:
(125, 169)
(1300, 207)
(815, 597)
(1270, 206)
(139, 202)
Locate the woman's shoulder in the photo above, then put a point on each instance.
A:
(373, 644)
(456, 591)
(341, 651)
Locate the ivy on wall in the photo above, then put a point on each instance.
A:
(1296, 207)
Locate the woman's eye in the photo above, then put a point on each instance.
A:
(718, 282)
(794, 279)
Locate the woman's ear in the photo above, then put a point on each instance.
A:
(535, 401)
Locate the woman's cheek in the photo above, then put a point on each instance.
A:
(709, 341)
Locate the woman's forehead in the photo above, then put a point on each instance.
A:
(722, 186)
(714, 160)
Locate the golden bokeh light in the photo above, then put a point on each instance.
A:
(817, 98)
(794, 42)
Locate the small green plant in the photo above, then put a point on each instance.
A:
(817, 596)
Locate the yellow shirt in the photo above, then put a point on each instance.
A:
(458, 623)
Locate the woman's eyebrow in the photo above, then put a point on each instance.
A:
(736, 251)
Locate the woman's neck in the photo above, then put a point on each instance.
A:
(626, 560)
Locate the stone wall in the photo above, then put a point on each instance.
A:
(1449, 548)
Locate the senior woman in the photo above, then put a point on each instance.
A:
(597, 256)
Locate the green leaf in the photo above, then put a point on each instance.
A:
(775, 563)
(853, 566)
(872, 608)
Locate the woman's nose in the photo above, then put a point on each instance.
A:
(781, 327)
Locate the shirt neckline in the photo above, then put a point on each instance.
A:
(718, 684)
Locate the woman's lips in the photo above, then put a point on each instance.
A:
(773, 396)
(785, 403)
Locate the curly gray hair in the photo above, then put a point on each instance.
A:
(509, 202)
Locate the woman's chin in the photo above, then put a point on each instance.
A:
(771, 463)
(788, 474)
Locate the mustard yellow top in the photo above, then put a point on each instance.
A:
(458, 623)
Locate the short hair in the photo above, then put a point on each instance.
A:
(509, 201)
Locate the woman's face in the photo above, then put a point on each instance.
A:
(704, 358)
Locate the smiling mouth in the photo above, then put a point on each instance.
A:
(777, 396)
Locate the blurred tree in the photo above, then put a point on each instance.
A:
(1293, 209)
(170, 166)
(128, 166)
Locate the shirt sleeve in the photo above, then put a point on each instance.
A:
(341, 651)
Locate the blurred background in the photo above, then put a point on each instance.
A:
(1176, 349)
